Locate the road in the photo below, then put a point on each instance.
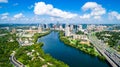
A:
(3, 34)
(110, 54)
(14, 61)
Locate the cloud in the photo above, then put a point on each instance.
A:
(113, 15)
(96, 10)
(3, 1)
(92, 12)
(85, 16)
(4, 14)
(19, 15)
(4, 17)
(41, 8)
(97, 17)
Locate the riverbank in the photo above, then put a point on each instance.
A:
(82, 47)
(38, 35)
(34, 56)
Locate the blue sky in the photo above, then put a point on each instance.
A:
(64, 11)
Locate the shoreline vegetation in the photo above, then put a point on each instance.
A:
(34, 56)
(82, 47)
(39, 35)
(110, 38)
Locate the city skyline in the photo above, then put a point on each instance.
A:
(51, 11)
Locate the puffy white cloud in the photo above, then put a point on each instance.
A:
(4, 17)
(85, 16)
(3, 1)
(96, 10)
(88, 16)
(97, 17)
(41, 8)
(114, 14)
(89, 5)
(19, 15)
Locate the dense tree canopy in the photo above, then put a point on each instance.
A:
(6, 48)
(111, 38)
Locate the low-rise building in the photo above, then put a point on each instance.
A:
(81, 37)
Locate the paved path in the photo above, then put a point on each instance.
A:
(15, 62)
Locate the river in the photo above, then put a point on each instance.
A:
(67, 54)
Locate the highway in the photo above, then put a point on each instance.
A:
(15, 62)
(110, 54)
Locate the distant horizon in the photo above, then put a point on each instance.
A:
(56, 23)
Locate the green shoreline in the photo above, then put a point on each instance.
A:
(39, 35)
(38, 53)
(82, 47)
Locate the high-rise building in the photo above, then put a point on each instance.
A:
(79, 27)
(67, 30)
(51, 25)
(71, 27)
(45, 26)
(58, 24)
(39, 29)
(60, 27)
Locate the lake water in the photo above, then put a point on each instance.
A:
(67, 54)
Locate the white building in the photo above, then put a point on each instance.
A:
(67, 30)
(39, 29)
(80, 27)
(61, 28)
(100, 28)
(96, 27)
(71, 27)
(81, 37)
(90, 27)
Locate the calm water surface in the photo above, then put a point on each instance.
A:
(67, 54)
